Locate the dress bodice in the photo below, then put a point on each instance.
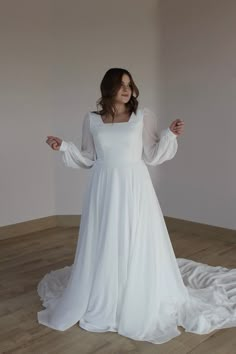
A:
(117, 143)
(121, 143)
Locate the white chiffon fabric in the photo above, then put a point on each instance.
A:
(125, 277)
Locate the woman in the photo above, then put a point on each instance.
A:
(125, 277)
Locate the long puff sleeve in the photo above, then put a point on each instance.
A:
(80, 158)
(157, 148)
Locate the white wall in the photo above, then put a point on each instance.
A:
(54, 54)
(198, 84)
(27, 175)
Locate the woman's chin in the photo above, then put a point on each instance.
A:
(125, 99)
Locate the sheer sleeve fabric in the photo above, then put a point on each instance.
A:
(157, 148)
(84, 157)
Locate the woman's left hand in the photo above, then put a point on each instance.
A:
(177, 126)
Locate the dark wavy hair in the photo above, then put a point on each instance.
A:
(109, 87)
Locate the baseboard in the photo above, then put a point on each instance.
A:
(28, 227)
(199, 229)
(173, 225)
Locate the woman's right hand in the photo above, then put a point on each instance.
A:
(54, 142)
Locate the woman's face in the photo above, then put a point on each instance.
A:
(124, 93)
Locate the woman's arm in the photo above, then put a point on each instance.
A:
(86, 155)
(157, 148)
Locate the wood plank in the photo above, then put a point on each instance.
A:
(25, 259)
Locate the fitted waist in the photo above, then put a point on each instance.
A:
(118, 162)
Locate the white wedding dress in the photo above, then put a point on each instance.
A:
(125, 277)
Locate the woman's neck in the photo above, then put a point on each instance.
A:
(121, 110)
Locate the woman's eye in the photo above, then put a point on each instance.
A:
(128, 86)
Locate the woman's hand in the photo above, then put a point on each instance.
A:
(177, 126)
(54, 142)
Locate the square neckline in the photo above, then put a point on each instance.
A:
(131, 116)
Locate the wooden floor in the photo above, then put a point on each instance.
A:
(25, 259)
